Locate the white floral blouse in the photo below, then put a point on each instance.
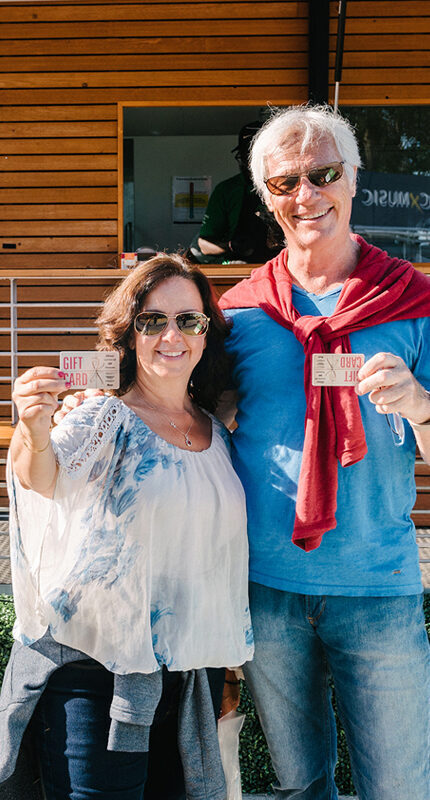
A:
(141, 558)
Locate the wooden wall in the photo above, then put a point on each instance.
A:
(64, 68)
(386, 54)
(66, 64)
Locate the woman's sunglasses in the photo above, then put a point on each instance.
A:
(320, 176)
(152, 323)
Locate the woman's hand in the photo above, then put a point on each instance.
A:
(35, 395)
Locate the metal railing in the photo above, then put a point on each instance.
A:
(14, 329)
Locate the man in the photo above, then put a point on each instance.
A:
(335, 584)
(234, 227)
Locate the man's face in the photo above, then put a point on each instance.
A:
(311, 216)
(242, 157)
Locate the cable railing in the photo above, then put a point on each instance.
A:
(21, 323)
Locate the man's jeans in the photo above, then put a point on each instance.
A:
(377, 651)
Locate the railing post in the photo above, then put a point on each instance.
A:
(13, 343)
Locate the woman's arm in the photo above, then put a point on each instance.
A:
(35, 395)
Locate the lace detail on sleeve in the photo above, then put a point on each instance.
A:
(79, 441)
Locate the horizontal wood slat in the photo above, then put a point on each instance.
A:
(15, 260)
(372, 26)
(198, 77)
(79, 162)
(384, 8)
(83, 211)
(384, 59)
(60, 130)
(133, 12)
(124, 63)
(415, 42)
(66, 341)
(161, 28)
(98, 227)
(60, 195)
(59, 244)
(384, 94)
(389, 75)
(54, 146)
(206, 43)
(258, 94)
(87, 178)
(65, 114)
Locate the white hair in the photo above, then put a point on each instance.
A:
(307, 125)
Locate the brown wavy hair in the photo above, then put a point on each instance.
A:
(116, 330)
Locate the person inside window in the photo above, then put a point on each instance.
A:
(236, 226)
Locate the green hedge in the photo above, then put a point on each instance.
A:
(257, 772)
(7, 618)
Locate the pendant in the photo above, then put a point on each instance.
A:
(188, 442)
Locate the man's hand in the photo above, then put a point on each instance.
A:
(231, 693)
(74, 400)
(392, 388)
(226, 409)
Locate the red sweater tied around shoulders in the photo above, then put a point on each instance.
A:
(380, 289)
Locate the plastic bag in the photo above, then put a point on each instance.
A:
(229, 728)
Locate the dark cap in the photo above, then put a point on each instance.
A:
(246, 135)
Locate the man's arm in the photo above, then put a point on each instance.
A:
(210, 248)
(226, 409)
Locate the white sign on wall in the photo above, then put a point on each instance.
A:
(190, 197)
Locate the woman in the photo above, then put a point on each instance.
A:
(138, 567)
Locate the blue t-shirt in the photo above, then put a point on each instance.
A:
(372, 551)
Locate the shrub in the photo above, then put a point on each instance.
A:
(7, 618)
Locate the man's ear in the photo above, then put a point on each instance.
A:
(354, 183)
(268, 202)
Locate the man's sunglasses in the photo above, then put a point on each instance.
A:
(152, 323)
(320, 176)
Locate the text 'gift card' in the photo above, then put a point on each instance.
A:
(90, 369)
(336, 369)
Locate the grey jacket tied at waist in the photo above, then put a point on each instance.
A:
(135, 699)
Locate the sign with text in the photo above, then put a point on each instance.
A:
(396, 201)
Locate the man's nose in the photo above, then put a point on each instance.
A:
(305, 189)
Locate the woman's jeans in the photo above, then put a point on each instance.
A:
(377, 651)
(70, 731)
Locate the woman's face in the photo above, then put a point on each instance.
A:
(171, 354)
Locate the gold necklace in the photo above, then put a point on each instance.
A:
(172, 424)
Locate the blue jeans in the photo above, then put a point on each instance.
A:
(377, 651)
(70, 729)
